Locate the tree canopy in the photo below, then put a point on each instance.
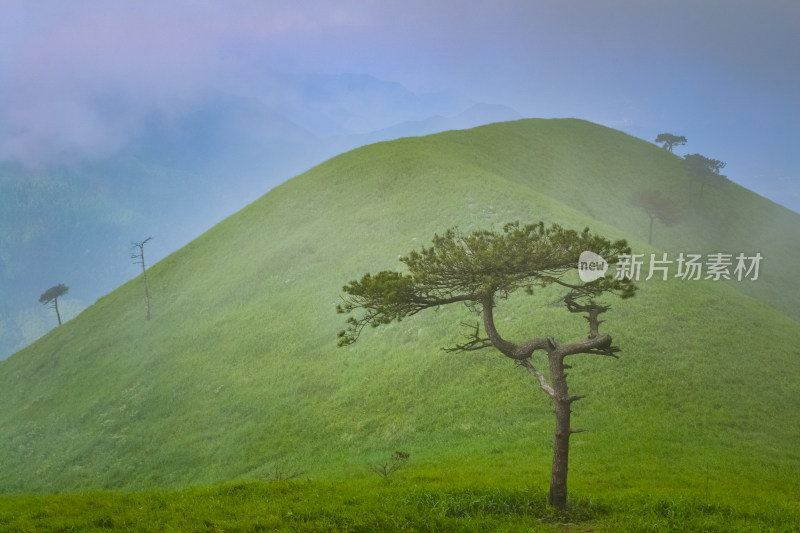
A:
(668, 140)
(53, 292)
(51, 295)
(476, 269)
(704, 171)
(704, 168)
(658, 207)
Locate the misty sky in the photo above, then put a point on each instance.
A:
(726, 74)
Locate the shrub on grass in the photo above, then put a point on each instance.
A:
(395, 463)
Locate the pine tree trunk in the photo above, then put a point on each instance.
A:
(140, 260)
(558, 475)
(146, 290)
(58, 315)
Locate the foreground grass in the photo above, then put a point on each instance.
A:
(372, 505)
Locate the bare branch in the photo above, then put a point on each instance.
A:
(475, 342)
(524, 351)
(611, 351)
(538, 375)
(599, 344)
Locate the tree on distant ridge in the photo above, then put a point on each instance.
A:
(657, 207)
(478, 270)
(51, 295)
(139, 256)
(704, 171)
(668, 140)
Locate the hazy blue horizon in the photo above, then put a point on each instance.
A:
(722, 73)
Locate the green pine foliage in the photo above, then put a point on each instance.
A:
(239, 371)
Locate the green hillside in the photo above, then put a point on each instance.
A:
(238, 373)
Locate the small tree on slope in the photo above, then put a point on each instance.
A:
(139, 256)
(657, 207)
(704, 171)
(480, 269)
(51, 295)
(668, 140)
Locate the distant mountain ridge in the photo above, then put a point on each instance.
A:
(475, 115)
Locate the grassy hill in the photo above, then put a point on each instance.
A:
(238, 376)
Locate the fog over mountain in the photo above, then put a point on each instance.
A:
(184, 170)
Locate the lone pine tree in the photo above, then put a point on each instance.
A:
(51, 295)
(704, 171)
(478, 270)
(658, 207)
(139, 256)
(668, 140)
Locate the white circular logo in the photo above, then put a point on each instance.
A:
(591, 266)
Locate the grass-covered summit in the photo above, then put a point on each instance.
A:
(237, 374)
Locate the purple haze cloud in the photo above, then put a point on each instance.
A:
(78, 78)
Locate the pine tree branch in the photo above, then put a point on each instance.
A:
(475, 342)
(538, 375)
